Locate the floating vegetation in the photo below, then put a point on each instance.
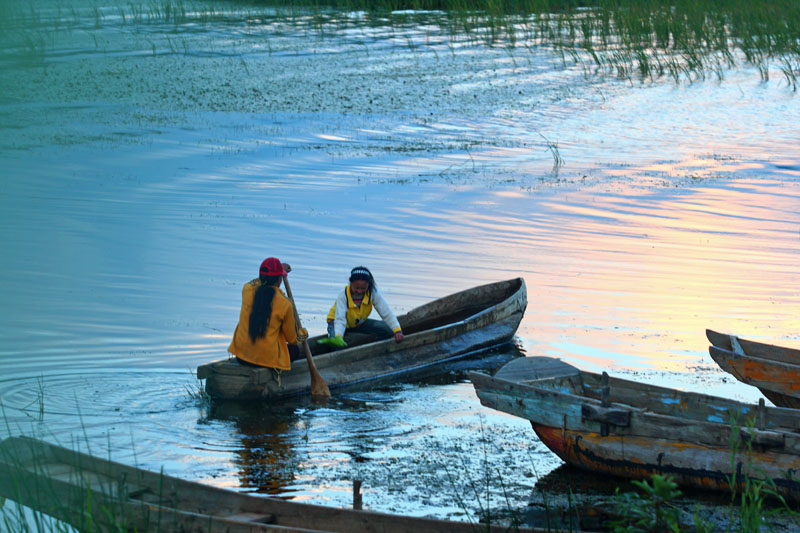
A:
(646, 40)
(683, 40)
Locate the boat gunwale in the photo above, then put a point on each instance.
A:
(778, 353)
(778, 389)
(746, 357)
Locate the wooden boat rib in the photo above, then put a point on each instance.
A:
(445, 329)
(775, 370)
(635, 430)
(91, 493)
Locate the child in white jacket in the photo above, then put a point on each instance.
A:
(353, 306)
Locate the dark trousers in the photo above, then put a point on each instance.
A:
(375, 328)
(294, 352)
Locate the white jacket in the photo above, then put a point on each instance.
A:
(344, 303)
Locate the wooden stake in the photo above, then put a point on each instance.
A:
(357, 494)
(604, 402)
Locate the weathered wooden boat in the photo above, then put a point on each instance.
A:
(443, 330)
(775, 370)
(93, 494)
(634, 430)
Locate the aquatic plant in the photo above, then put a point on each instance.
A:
(39, 400)
(472, 487)
(685, 40)
(752, 493)
(643, 39)
(198, 392)
(26, 511)
(652, 508)
(552, 147)
(75, 496)
(752, 502)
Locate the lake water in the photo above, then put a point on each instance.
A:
(148, 167)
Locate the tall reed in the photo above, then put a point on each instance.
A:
(646, 39)
(636, 39)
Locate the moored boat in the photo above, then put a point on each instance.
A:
(451, 327)
(634, 430)
(775, 370)
(93, 494)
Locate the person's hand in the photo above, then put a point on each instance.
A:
(398, 336)
(286, 267)
(302, 335)
(336, 342)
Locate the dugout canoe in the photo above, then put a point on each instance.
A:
(775, 370)
(634, 430)
(446, 329)
(93, 494)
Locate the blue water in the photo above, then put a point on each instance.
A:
(147, 169)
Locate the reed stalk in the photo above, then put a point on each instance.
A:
(635, 39)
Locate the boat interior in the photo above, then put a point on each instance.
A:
(448, 310)
(670, 402)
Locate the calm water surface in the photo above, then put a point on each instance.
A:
(148, 168)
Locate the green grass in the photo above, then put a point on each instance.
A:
(684, 40)
(754, 500)
(85, 501)
(198, 391)
(646, 39)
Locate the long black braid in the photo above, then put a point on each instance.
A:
(262, 306)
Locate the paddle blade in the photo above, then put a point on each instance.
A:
(319, 388)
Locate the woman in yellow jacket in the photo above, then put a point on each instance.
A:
(266, 321)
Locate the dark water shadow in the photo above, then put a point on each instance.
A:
(456, 371)
(273, 438)
(267, 456)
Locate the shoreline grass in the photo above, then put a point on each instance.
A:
(637, 40)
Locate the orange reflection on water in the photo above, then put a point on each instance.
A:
(631, 278)
(705, 166)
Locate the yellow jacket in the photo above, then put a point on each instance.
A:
(354, 315)
(269, 350)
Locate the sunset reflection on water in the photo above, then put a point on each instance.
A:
(656, 268)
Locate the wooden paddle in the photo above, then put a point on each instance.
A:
(318, 386)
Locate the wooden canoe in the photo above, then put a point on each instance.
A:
(96, 494)
(634, 430)
(775, 370)
(446, 329)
